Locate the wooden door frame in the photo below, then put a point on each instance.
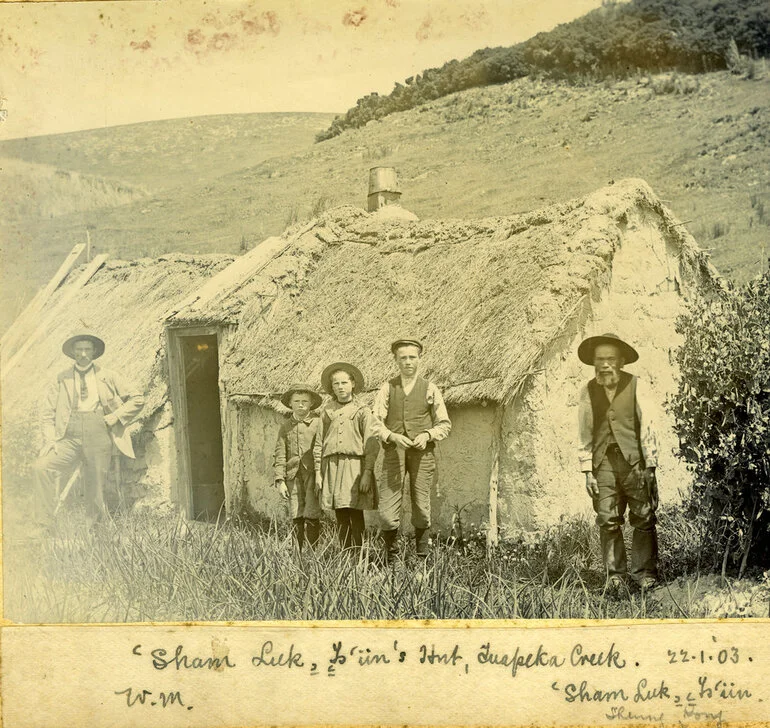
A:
(181, 492)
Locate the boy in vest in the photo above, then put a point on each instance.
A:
(618, 454)
(411, 418)
(293, 462)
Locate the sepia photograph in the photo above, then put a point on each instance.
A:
(390, 310)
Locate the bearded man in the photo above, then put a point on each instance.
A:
(618, 453)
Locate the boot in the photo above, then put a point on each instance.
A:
(299, 532)
(313, 531)
(421, 539)
(391, 546)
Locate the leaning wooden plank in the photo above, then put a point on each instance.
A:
(15, 334)
(67, 489)
(46, 320)
(492, 530)
(236, 273)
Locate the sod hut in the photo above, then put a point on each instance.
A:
(127, 303)
(500, 303)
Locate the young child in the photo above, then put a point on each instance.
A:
(345, 451)
(293, 461)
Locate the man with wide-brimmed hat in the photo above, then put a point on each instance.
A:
(86, 411)
(618, 454)
(411, 417)
(293, 461)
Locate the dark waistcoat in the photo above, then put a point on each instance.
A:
(408, 414)
(615, 420)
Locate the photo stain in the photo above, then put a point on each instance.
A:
(145, 45)
(230, 29)
(266, 22)
(194, 37)
(424, 31)
(221, 42)
(354, 18)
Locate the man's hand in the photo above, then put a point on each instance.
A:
(592, 487)
(318, 484)
(651, 483)
(47, 447)
(421, 441)
(401, 440)
(110, 419)
(365, 482)
(283, 491)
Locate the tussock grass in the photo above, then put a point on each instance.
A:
(147, 567)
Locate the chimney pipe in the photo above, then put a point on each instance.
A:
(383, 188)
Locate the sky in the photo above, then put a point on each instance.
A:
(67, 66)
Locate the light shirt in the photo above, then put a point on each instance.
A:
(438, 412)
(91, 402)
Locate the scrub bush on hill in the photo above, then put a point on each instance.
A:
(617, 39)
(722, 411)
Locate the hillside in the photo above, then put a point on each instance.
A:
(622, 38)
(702, 143)
(162, 155)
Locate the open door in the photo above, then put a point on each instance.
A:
(198, 423)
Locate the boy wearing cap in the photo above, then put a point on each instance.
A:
(293, 462)
(411, 418)
(86, 410)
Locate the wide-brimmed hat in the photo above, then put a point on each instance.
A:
(302, 387)
(405, 342)
(326, 377)
(588, 347)
(68, 346)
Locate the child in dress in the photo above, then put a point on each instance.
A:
(345, 451)
(293, 461)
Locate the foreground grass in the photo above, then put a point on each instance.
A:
(147, 567)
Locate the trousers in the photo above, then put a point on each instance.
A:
(350, 527)
(420, 466)
(86, 441)
(306, 526)
(621, 485)
(303, 502)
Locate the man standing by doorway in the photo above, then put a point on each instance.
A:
(411, 418)
(618, 454)
(86, 410)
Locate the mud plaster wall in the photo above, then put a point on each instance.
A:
(463, 466)
(464, 462)
(250, 468)
(157, 455)
(539, 477)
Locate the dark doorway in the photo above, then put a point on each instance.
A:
(200, 362)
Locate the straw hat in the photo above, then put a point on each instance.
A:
(68, 346)
(301, 387)
(326, 377)
(588, 347)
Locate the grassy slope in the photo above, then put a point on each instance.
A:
(173, 153)
(490, 151)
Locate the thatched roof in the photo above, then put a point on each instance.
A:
(485, 296)
(126, 303)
